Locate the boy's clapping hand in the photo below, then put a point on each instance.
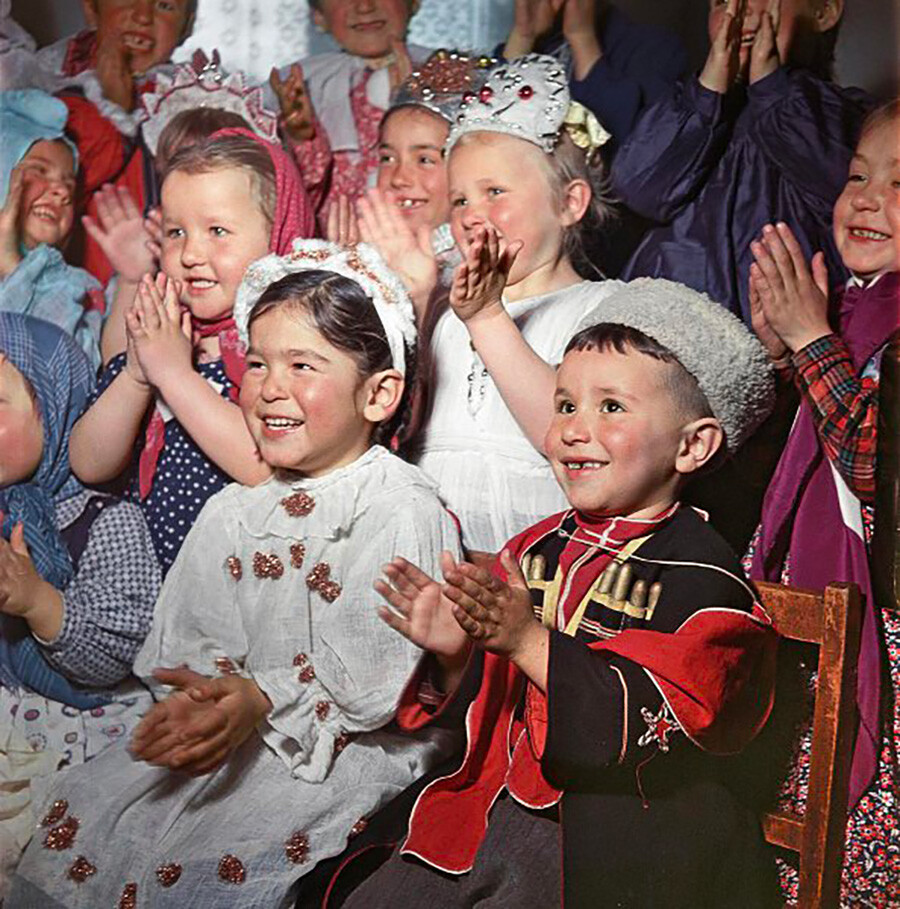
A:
(498, 615)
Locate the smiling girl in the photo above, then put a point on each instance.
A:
(521, 194)
(284, 754)
(225, 203)
(37, 185)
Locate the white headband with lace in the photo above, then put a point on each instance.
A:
(361, 263)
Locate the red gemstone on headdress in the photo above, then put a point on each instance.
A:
(81, 869)
(468, 97)
(323, 708)
(63, 836)
(298, 554)
(358, 827)
(56, 813)
(306, 675)
(525, 92)
(231, 869)
(296, 847)
(485, 93)
(128, 899)
(341, 742)
(168, 874)
(301, 659)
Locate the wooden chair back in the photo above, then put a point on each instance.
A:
(831, 620)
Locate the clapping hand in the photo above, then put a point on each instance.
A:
(297, 115)
(130, 241)
(480, 279)
(723, 63)
(791, 297)
(158, 331)
(198, 726)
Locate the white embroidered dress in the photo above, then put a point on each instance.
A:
(276, 580)
(490, 476)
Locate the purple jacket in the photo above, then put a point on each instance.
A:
(713, 169)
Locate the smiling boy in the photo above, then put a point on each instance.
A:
(619, 654)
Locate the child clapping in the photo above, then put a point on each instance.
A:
(37, 181)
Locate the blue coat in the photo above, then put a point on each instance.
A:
(713, 169)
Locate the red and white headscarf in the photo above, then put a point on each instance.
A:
(294, 218)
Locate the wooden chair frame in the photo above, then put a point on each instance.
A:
(831, 620)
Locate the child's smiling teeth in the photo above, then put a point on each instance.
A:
(868, 234)
(411, 203)
(282, 423)
(201, 283)
(137, 42)
(583, 465)
(45, 213)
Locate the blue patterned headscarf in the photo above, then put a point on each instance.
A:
(61, 378)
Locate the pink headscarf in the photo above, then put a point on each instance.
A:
(294, 217)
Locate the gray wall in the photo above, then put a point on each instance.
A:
(868, 50)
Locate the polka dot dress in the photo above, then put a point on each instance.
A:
(185, 478)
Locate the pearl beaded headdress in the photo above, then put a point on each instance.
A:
(527, 98)
(440, 82)
(361, 263)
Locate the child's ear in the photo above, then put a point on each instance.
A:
(700, 440)
(576, 200)
(89, 8)
(828, 14)
(383, 391)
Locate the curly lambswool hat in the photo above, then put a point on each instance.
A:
(715, 347)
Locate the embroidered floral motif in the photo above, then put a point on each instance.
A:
(358, 827)
(306, 674)
(296, 847)
(323, 708)
(128, 899)
(235, 569)
(56, 813)
(225, 665)
(319, 579)
(267, 565)
(231, 869)
(81, 869)
(298, 554)
(168, 874)
(659, 727)
(63, 836)
(298, 505)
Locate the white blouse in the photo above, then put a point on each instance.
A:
(273, 582)
(489, 474)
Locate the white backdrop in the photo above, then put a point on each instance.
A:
(254, 35)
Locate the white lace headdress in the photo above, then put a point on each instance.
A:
(361, 263)
(202, 83)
